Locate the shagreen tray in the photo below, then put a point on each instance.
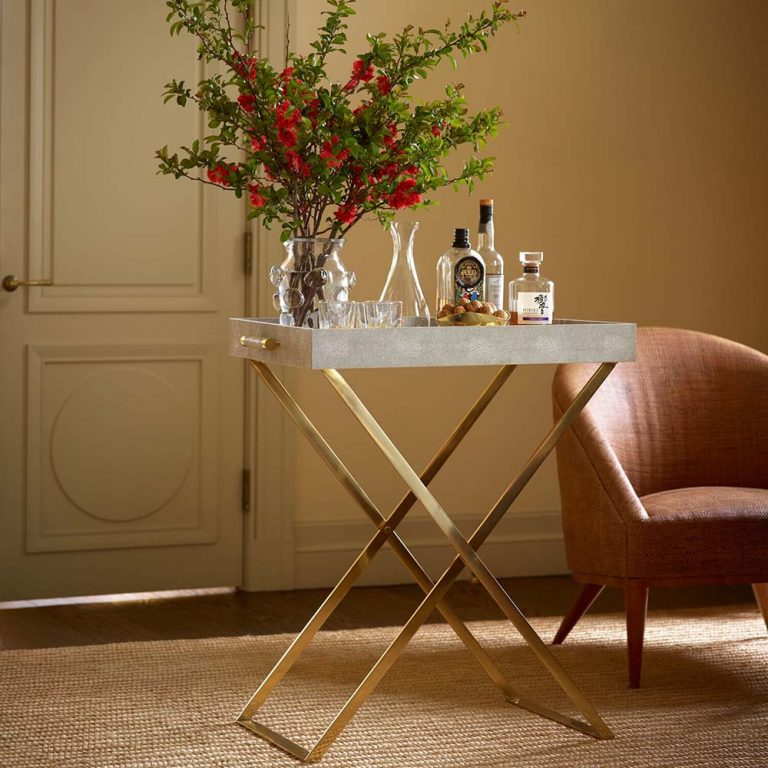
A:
(565, 341)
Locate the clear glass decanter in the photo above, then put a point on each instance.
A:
(402, 281)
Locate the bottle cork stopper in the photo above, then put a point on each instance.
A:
(487, 201)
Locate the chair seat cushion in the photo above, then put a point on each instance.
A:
(691, 533)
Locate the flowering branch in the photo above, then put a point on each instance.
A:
(317, 156)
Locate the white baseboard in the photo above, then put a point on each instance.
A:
(524, 544)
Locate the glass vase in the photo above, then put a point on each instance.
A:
(311, 272)
(402, 281)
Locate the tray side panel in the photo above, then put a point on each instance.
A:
(564, 342)
(294, 344)
(436, 347)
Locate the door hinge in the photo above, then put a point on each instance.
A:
(246, 491)
(247, 252)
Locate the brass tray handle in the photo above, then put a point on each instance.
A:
(258, 342)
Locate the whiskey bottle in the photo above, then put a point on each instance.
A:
(494, 263)
(460, 273)
(531, 297)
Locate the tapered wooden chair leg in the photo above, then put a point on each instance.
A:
(761, 595)
(636, 606)
(580, 606)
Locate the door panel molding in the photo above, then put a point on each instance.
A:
(151, 446)
(195, 291)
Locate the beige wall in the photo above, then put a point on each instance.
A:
(635, 157)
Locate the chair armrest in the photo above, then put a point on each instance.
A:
(598, 501)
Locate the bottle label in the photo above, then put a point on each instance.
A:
(468, 276)
(534, 308)
(494, 290)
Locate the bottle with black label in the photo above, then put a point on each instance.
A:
(494, 263)
(460, 273)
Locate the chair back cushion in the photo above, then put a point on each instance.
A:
(692, 411)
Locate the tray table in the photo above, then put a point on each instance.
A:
(263, 342)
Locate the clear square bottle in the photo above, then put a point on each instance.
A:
(531, 296)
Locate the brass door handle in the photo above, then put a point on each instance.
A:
(11, 283)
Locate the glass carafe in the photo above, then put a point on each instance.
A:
(402, 281)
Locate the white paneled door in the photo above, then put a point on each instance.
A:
(121, 417)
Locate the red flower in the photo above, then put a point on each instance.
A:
(357, 111)
(362, 71)
(436, 130)
(258, 143)
(391, 140)
(257, 199)
(287, 135)
(296, 164)
(246, 67)
(287, 124)
(383, 84)
(282, 114)
(246, 101)
(313, 110)
(390, 170)
(220, 173)
(404, 195)
(346, 214)
(286, 73)
(332, 158)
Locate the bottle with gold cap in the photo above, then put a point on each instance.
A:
(494, 264)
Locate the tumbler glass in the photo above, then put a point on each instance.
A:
(384, 314)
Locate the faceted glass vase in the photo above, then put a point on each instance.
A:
(403, 282)
(311, 272)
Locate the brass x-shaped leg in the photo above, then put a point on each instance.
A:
(435, 593)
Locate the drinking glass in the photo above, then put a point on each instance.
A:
(342, 314)
(384, 314)
(360, 315)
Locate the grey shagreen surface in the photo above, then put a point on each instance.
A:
(565, 341)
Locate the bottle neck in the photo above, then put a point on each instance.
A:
(485, 235)
(531, 269)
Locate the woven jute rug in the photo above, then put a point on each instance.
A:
(171, 704)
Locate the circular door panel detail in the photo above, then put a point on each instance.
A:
(122, 445)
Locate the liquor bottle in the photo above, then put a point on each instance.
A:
(531, 297)
(494, 264)
(460, 272)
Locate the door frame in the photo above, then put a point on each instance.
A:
(268, 534)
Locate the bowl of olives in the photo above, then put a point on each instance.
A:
(470, 313)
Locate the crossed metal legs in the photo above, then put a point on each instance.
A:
(434, 592)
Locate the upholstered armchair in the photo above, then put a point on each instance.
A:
(664, 476)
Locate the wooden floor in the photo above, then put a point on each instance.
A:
(241, 613)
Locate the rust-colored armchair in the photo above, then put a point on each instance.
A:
(664, 477)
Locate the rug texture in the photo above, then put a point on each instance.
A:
(704, 700)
